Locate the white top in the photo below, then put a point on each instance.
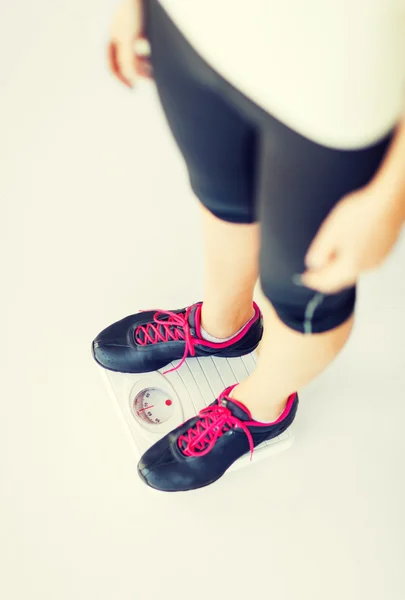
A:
(333, 70)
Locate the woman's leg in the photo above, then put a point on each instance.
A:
(219, 146)
(231, 270)
(288, 359)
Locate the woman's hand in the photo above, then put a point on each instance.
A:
(128, 50)
(357, 236)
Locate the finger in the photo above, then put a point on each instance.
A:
(127, 61)
(323, 248)
(142, 52)
(144, 68)
(114, 64)
(142, 47)
(330, 280)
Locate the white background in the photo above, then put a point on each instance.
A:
(98, 222)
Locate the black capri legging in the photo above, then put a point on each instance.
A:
(246, 166)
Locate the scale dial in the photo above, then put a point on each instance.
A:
(153, 406)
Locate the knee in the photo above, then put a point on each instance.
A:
(306, 310)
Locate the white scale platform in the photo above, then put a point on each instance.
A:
(152, 404)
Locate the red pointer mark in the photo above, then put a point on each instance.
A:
(146, 408)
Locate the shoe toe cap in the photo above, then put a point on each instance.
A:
(111, 347)
(110, 356)
(159, 468)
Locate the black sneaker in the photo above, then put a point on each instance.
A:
(199, 452)
(150, 340)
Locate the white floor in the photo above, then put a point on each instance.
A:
(99, 223)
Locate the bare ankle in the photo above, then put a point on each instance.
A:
(223, 324)
(265, 410)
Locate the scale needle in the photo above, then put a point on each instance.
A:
(146, 408)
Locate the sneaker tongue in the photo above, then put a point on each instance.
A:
(239, 410)
(193, 319)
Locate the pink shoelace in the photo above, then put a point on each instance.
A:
(175, 328)
(213, 423)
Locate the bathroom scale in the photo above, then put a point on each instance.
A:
(152, 404)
